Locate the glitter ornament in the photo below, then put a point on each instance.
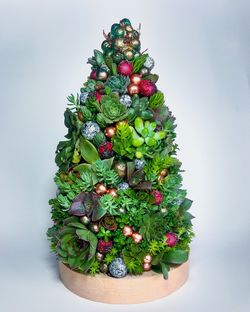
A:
(137, 237)
(149, 63)
(118, 268)
(90, 129)
(127, 230)
(158, 197)
(139, 163)
(135, 78)
(171, 239)
(109, 131)
(104, 247)
(133, 89)
(85, 219)
(125, 68)
(126, 100)
(100, 189)
(146, 266)
(83, 97)
(147, 88)
(123, 186)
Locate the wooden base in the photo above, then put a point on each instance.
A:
(130, 289)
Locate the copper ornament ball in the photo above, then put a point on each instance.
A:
(94, 227)
(110, 131)
(135, 79)
(112, 192)
(146, 266)
(127, 230)
(137, 237)
(147, 259)
(99, 256)
(85, 219)
(133, 89)
(121, 169)
(100, 189)
(164, 172)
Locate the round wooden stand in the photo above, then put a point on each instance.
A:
(130, 289)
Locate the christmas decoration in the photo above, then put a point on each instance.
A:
(137, 237)
(120, 207)
(147, 88)
(127, 230)
(109, 132)
(103, 246)
(100, 189)
(117, 268)
(171, 239)
(90, 129)
(125, 68)
(126, 100)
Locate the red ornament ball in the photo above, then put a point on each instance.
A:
(158, 197)
(125, 68)
(100, 189)
(171, 239)
(98, 96)
(109, 131)
(147, 88)
(104, 247)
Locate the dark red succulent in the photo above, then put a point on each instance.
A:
(106, 150)
(104, 247)
(171, 239)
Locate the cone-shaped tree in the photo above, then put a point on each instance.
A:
(120, 208)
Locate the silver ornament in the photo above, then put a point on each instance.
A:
(149, 63)
(139, 163)
(118, 268)
(123, 186)
(126, 100)
(90, 129)
(83, 97)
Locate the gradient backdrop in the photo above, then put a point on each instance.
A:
(202, 53)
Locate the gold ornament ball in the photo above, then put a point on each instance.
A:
(94, 227)
(164, 172)
(100, 189)
(133, 89)
(99, 256)
(122, 210)
(129, 54)
(109, 132)
(135, 43)
(85, 219)
(146, 266)
(121, 168)
(104, 268)
(119, 43)
(137, 237)
(129, 28)
(144, 71)
(135, 79)
(127, 230)
(112, 192)
(147, 259)
(102, 75)
(121, 123)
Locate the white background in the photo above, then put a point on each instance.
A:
(202, 53)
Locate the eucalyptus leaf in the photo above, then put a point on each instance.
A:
(176, 256)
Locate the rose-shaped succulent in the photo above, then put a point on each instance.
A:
(109, 223)
(118, 83)
(112, 109)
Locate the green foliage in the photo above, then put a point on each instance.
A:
(92, 104)
(156, 100)
(104, 234)
(133, 256)
(108, 203)
(105, 174)
(138, 62)
(112, 109)
(88, 151)
(118, 83)
(74, 102)
(152, 77)
(86, 113)
(98, 139)
(139, 109)
(89, 86)
(122, 141)
(153, 226)
(94, 268)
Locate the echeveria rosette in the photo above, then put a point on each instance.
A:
(112, 109)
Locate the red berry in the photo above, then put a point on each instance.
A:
(98, 96)
(109, 146)
(125, 68)
(147, 88)
(158, 197)
(171, 239)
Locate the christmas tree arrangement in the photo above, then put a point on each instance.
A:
(120, 209)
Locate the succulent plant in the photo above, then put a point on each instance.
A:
(156, 100)
(87, 204)
(89, 86)
(118, 83)
(139, 109)
(112, 109)
(75, 244)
